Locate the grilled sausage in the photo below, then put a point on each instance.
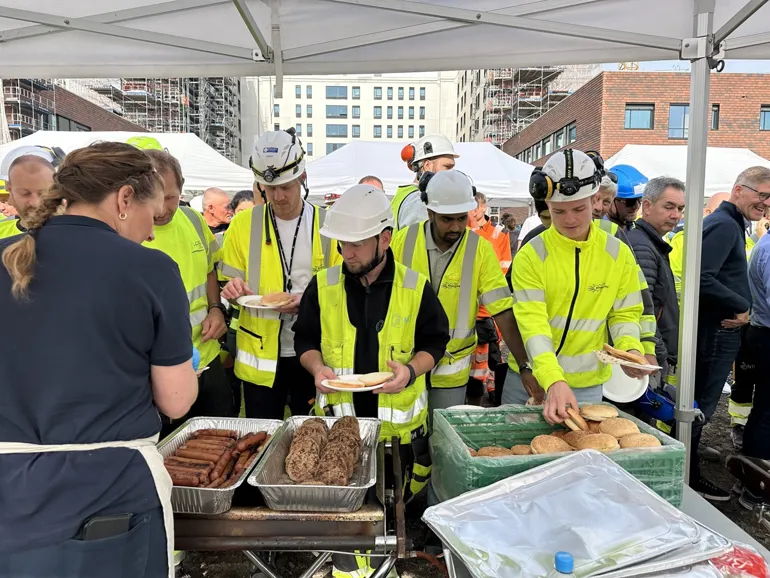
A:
(201, 475)
(231, 466)
(216, 483)
(241, 463)
(178, 460)
(222, 433)
(219, 468)
(206, 444)
(197, 454)
(248, 442)
(204, 469)
(184, 480)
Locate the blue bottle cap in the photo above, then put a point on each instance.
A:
(564, 563)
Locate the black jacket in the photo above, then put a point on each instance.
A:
(724, 281)
(652, 255)
(367, 308)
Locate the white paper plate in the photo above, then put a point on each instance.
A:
(252, 302)
(325, 383)
(623, 389)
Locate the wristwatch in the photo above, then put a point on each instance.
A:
(218, 306)
(525, 367)
(412, 375)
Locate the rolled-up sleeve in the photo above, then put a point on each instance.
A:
(432, 326)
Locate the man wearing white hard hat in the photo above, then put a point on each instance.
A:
(274, 248)
(372, 314)
(27, 172)
(575, 287)
(432, 153)
(464, 272)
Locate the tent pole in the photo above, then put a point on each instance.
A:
(700, 83)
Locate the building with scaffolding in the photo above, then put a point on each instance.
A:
(495, 104)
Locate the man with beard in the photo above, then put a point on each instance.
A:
(182, 234)
(29, 175)
(625, 206)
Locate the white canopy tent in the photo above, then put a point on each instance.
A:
(202, 166)
(81, 38)
(723, 165)
(502, 178)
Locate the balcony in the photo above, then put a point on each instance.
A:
(500, 74)
(26, 123)
(26, 97)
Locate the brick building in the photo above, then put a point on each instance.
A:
(619, 108)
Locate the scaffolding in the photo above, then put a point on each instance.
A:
(29, 105)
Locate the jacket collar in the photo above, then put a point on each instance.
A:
(387, 274)
(562, 242)
(734, 212)
(657, 240)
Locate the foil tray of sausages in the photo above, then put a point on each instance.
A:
(314, 495)
(189, 439)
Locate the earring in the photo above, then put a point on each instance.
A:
(122, 216)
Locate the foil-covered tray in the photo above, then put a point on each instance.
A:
(583, 503)
(212, 500)
(281, 493)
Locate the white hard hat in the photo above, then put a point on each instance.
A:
(361, 212)
(26, 150)
(448, 192)
(431, 146)
(278, 158)
(584, 177)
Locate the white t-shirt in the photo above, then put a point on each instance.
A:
(412, 211)
(301, 268)
(529, 224)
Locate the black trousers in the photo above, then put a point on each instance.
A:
(756, 437)
(293, 385)
(746, 375)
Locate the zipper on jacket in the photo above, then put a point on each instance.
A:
(574, 298)
(261, 341)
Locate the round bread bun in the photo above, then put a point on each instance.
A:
(593, 426)
(493, 452)
(532, 401)
(639, 440)
(598, 412)
(600, 441)
(276, 299)
(574, 421)
(521, 450)
(346, 383)
(473, 452)
(573, 437)
(618, 427)
(549, 445)
(560, 433)
(376, 378)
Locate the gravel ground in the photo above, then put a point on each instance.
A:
(235, 564)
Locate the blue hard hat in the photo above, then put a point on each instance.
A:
(630, 182)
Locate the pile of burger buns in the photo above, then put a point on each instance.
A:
(595, 427)
(319, 457)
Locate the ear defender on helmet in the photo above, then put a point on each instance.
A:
(407, 155)
(541, 186)
(598, 161)
(423, 185)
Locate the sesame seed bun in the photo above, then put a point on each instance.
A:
(493, 452)
(573, 437)
(559, 433)
(574, 421)
(639, 440)
(593, 426)
(473, 452)
(600, 442)
(521, 450)
(549, 445)
(598, 412)
(618, 427)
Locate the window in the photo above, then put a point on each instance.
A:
(390, 131)
(298, 91)
(276, 126)
(337, 130)
(390, 93)
(571, 133)
(377, 112)
(400, 132)
(337, 92)
(411, 113)
(411, 93)
(310, 149)
(309, 111)
(65, 124)
(422, 113)
(336, 111)
(547, 150)
(678, 120)
(400, 113)
(298, 111)
(411, 132)
(558, 140)
(331, 147)
(400, 93)
(390, 112)
(640, 116)
(422, 93)
(764, 118)
(422, 131)
(310, 130)
(356, 112)
(309, 91)
(356, 93)
(538, 150)
(298, 129)
(356, 131)
(714, 117)
(377, 93)
(276, 110)
(377, 131)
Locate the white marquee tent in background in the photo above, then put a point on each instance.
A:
(723, 165)
(202, 166)
(83, 38)
(502, 178)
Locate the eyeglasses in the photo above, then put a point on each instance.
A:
(630, 203)
(762, 196)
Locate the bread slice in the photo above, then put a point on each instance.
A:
(276, 299)
(574, 421)
(376, 378)
(346, 383)
(624, 355)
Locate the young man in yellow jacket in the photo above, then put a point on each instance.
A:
(575, 286)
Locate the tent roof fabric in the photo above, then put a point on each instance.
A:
(503, 179)
(723, 165)
(202, 166)
(80, 38)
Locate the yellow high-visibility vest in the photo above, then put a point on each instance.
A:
(10, 227)
(401, 194)
(472, 277)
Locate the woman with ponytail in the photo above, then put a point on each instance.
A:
(97, 340)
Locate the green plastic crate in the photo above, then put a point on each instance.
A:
(455, 471)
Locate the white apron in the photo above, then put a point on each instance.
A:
(151, 455)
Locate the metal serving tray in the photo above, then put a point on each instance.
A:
(281, 493)
(212, 500)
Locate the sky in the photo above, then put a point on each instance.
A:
(679, 65)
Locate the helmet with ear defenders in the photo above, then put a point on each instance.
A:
(423, 185)
(569, 175)
(541, 186)
(407, 155)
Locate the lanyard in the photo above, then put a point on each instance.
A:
(287, 270)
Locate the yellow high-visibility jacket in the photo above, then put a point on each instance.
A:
(401, 194)
(566, 296)
(10, 227)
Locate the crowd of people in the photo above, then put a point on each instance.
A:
(113, 284)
